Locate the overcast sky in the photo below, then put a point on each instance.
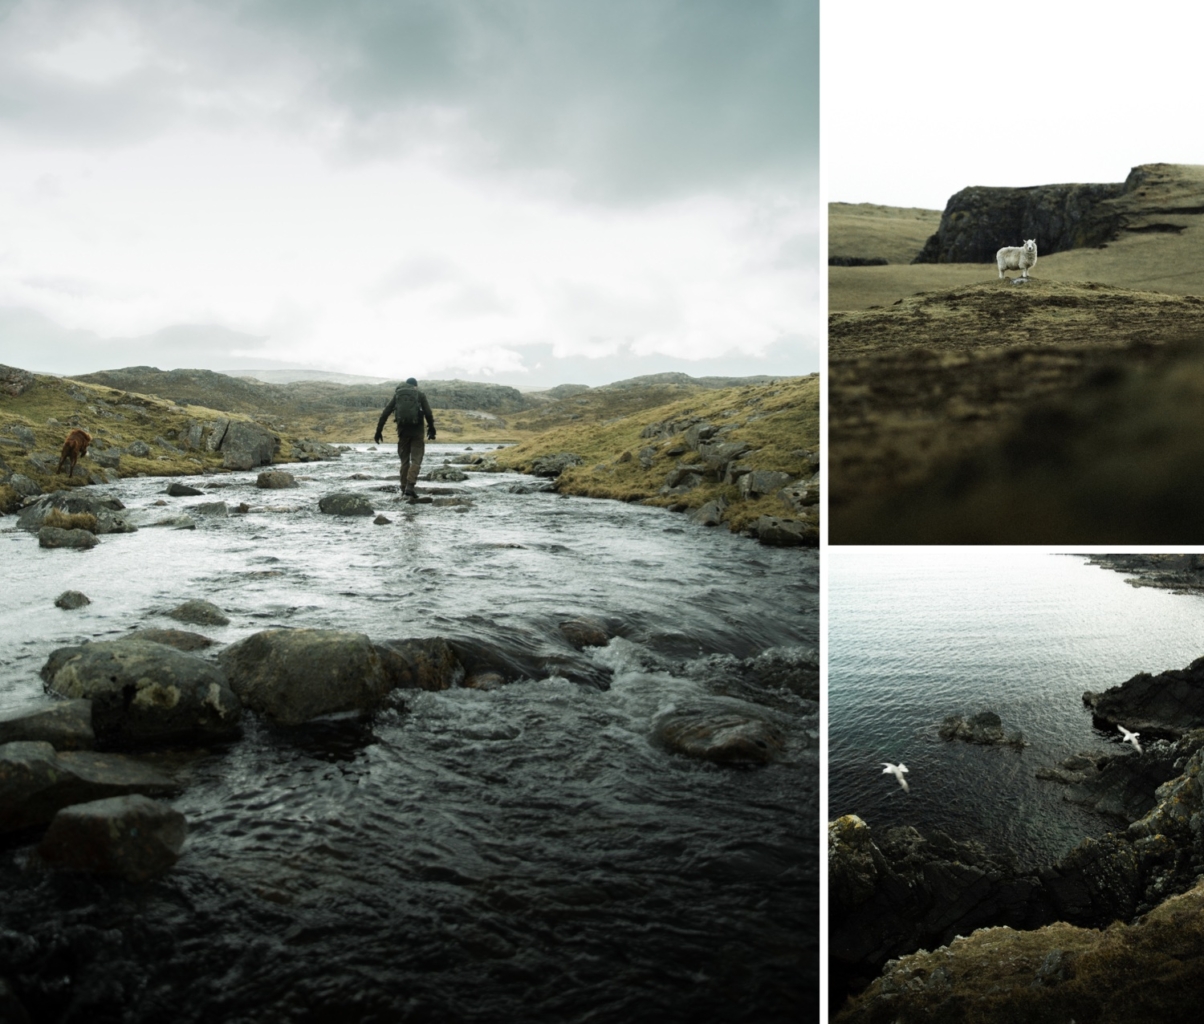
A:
(924, 99)
(530, 191)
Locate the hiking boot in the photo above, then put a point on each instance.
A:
(408, 491)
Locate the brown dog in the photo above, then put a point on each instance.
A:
(74, 449)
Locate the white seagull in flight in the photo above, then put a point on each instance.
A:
(1130, 737)
(897, 771)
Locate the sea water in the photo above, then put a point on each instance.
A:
(916, 634)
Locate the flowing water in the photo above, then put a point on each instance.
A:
(920, 633)
(527, 853)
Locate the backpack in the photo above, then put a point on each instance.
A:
(407, 406)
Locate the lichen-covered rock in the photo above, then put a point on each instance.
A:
(65, 725)
(36, 781)
(345, 503)
(293, 675)
(133, 837)
(145, 693)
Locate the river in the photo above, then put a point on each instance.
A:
(526, 853)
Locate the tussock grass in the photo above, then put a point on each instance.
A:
(70, 520)
(780, 421)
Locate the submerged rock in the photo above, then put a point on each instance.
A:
(69, 600)
(585, 632)
(179, 490)
(984, 729)
(36, 782)
(133, 837)
(345, 503)
(145, 693)
(65, 725)
(723, 736)
(293, 675)
(276, 479)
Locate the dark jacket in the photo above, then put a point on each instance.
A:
(426, 412)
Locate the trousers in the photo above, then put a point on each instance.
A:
(410, 449)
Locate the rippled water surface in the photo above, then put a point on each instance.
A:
(526, 853)
(918, 634)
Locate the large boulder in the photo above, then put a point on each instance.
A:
(762, 481)
(133, 837)
(276, 479)
(65, 725)
(420, 664)
(775, 532)
(145, 693)
(293, 675)
(14, 381)
(247, 445)
(346, 503)
(180, 639)
(36, 781)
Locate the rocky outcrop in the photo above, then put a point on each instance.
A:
(1167, 704)
(65, 725)
(345, 503)
(145, 694)
(36, 782)
(979, 220)
(293, 675)
(984, 729)
(15, 382)
(107, 511)
(774, 531)
(554, 465)
(132, 837)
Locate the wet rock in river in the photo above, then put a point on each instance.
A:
(276, 479)
(710, 514)
(179, 490)
(200, 613)
(447, 473)
(774, 532)
(145, 693)
(36, 782)
(382, 521)
(69, 600)
(724, 736)
(180, 639)
(247, 445)
(293, 675)
(424, 664)
(217, 509)
(344, 503)
(56, 537)
(585, 632)
(133, 837)
(65, 725)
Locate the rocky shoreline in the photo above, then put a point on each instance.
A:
(896, 895)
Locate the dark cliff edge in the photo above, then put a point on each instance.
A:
(978, 220)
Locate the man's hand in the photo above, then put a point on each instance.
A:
(377, 438)
(430, 433)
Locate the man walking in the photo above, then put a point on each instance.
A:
(409, 407)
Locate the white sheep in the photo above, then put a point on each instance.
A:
(1014, 257)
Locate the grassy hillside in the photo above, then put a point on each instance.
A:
(1160, 249)
(894, 233)
(1060, 410)
(780, 421)
(51, 406)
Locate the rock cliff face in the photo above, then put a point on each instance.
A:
(979, 220)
